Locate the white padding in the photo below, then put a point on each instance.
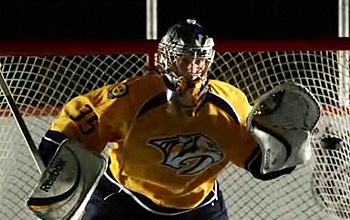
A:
(281, 122)
(67, 183)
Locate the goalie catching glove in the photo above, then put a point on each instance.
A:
(281, 122)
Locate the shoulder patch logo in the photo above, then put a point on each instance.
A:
(119, 90)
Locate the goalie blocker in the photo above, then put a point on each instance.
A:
(281, 122)
(67, 183)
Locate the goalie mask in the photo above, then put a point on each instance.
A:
(185, 55)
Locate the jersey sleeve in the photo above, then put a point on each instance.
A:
(98, 117)
(106, 114)
(82, 119)
(249, 145)
(241, 105)
(242, 149)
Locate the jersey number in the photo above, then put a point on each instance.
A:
(86, 126)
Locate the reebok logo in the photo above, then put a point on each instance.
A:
(54, 173)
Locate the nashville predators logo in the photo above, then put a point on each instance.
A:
(190, 154)
(119, 90)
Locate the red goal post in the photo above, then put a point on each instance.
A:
(43, 75)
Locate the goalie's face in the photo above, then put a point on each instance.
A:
(191, 68)
(189, 80)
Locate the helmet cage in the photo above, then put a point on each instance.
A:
(184, 39)
(168, 53)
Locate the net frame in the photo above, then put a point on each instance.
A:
(260, 207)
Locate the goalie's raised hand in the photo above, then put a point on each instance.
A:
(281, 122)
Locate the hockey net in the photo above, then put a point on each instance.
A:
(43, 76)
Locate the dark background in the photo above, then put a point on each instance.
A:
(126, 20)
(245, 19)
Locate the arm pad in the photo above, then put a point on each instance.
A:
(49, 144)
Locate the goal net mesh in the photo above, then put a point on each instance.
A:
(41, 83)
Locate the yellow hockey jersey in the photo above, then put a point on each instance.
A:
(173, 159)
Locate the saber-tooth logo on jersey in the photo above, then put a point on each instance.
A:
(190, 154)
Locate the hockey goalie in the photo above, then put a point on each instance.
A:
(174, 131)
(280, 122)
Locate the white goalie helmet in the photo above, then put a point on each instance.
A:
(185, 55)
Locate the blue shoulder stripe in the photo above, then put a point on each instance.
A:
(152, 103)
(224, 105)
